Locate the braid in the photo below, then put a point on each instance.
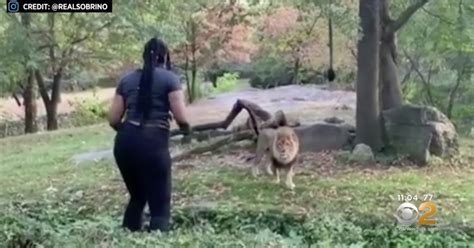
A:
(147, 77)
(168, 61)
(154, 54)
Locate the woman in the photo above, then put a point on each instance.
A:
(145, 97)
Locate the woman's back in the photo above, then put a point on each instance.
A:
(146, 97)
(164, 82)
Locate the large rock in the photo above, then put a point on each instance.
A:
(324, 136)
(334, 120)
(420, 131)
(362, 153)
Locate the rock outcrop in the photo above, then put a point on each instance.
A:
(420, 131)
(324, 136)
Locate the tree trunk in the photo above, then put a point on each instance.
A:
(367, 112)
(213, 79)
(29, 92)
(296, 70)
(29, 101)
(52, 116)
(193, 71)
(193, 79)
(52, 106)
(390, 89)
(389, 85)
(453, 93)
(193, 61)
(186, 75)
(50, 103)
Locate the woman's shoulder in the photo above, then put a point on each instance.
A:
(129, 76)
(166, 74)
(130, 73)
(128, 79)
(164, 71)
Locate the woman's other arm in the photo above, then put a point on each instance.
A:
(116, 109)
(177, 103)
(178, 108)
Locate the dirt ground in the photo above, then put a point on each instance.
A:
(308, 103)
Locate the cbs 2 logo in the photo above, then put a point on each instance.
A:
(407, 213)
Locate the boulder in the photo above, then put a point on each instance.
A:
(362, 153)
(420, 131)
(334, 120)
(324, 136)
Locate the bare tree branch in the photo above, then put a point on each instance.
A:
(46, 46)
(215, 145)
(437, 16)
(426, 82)
(407, 14)
(311, 28)
(407, 75)
(91, 34)
(453, 92)
(17, 100)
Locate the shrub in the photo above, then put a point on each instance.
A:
(272, 72)
(61, 225)
(226, 83)
(243, 70)
(88, 111)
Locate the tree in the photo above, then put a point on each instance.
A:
(212, 33)
(288, 33)
(18, 65)
(390, 90)
(442, 57)
(136, 22)
(294, 44)
(64, 40)
(54, 47)
(367, 113)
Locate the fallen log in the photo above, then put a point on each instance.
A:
(257, 116)
(219, 143)
(253, 110)
(248, 134)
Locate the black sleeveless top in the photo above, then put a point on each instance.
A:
(164, 82)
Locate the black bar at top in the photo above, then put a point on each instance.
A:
(42, 6)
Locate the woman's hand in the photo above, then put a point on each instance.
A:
(116, 126)
(185, 127)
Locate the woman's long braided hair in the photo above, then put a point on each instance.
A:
(155, 54)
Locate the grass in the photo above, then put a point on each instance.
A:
(47, 199)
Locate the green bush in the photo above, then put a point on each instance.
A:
(66, 225)
(271, 72)
(463, 118)
(226, 83)
(88, 111)
(243, 70)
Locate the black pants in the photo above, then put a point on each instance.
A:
(143, 157)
